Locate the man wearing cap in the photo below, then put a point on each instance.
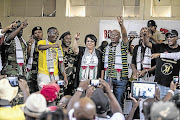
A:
(35, 106)
(50, 60)
(50, 92)
(15, 52)
(32, 66)
(69, 61)
(7, 94)
(156, 37)
(166, 69)
(15, 55)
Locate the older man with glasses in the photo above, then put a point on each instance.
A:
(115, 62)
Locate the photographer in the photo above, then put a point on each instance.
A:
(8, 93)
(101, 113)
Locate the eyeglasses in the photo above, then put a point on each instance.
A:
(114, 34)
(171, 36)
(88, 41)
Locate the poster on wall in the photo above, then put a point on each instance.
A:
(133, 27)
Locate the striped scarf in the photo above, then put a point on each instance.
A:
(118, 61)
(50, 63)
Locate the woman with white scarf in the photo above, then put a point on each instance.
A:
(89, 64)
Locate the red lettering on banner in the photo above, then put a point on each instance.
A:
(109, 33)
(105, 33)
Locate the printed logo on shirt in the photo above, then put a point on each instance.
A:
(166, 68)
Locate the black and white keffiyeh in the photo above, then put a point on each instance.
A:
(49, 58)
(145, 61)
(118, 60)
(19, 53)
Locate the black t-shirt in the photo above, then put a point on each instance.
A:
(165, 68)
(135, 50)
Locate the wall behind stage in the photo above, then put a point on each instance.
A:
(133, 27)
(85, 25)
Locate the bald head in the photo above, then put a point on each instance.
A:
(84, 109)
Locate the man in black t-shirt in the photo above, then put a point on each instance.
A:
(166, 69)
(141, 64)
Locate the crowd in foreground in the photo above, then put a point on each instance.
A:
(44, 80)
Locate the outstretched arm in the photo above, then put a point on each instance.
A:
(4, 30)
(77, 95)
(115, 107)
(14, 33)
(123, 29)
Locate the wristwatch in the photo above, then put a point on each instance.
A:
(79, 89)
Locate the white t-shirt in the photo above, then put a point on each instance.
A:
(115, 116)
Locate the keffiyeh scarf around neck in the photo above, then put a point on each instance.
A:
(118, 61)
(30, 60)
(19, 54)
(50, 63)
(145, 61)
(89, 65)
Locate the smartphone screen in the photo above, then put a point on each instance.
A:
(94, 82)
(13, 81)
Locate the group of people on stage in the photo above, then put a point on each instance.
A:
(43, 62)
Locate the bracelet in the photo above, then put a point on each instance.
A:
(171, 91)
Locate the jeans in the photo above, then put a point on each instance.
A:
(164, 91)
(118, 87)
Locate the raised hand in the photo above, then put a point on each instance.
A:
(24, 24)
(120, 20)
(77, 36)
(31, 40)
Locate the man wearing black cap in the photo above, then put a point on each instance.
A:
(166, 69)
(69, 61)
(32, 66)
(156, 37)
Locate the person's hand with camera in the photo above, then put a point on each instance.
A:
(24, 87)
(135, 104)
(170, 93)
(115, 107)
(83, 85)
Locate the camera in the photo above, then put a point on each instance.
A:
(60, 83)
(176, 79)
(13, 81)
(94, 83)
